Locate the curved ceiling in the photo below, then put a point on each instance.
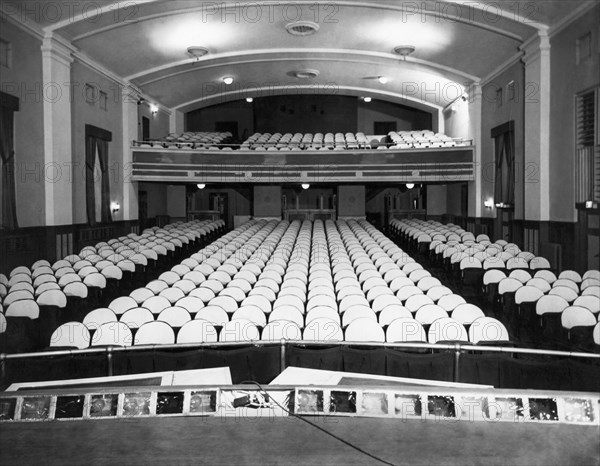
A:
(145, 41)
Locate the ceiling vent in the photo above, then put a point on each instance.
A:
(302, 28)
(306, 74)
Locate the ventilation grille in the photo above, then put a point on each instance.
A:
(302, 28)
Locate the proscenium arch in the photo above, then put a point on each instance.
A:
(437, 117)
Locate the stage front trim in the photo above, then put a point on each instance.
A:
(425, 403)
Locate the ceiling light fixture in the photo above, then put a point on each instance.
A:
(228, 80)
(201, 185)
(197, 52)
(383, 79)
(410, 185)
(404, 50)
(367, 99)
(249, 99)
(305, 185)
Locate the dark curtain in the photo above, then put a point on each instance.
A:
(105, 203)
(504, 189)
(90, 159)
(97, 138)
(7, 157)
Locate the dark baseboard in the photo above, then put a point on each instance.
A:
(24, 246)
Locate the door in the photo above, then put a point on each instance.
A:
(504, 180)
(143, 208)
(220, 202)
(145, 128)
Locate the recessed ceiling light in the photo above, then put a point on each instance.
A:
(249, 99)
(404, 50)
(228, 80)
(367, 99)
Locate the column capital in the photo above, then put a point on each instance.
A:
(54, 46)
(475, 91)
(535, 46)
(131, 93)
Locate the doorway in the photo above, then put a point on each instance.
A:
(504, 179)
(220, 203)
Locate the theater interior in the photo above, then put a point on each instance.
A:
(187, 277)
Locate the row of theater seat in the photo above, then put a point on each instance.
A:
(77, 283)
(316, 278)
(522, 289)
(77, 335)
(305, 141)
(287, 141)
(421, 140)
(188, 140)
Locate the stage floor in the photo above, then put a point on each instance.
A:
(287, 440)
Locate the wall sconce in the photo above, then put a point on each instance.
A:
(489, 204)
(153, 109)
(115, 207)
(305, 185)
(410, 185)
(201, 185)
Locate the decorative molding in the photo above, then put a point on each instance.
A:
(428, 13)
(503, 67)
(209, 62)
(23, 24)
(574, 15)
(278, 90)
(62, 49)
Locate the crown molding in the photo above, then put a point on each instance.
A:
(23, 24)
(502, 67)
(574, 15)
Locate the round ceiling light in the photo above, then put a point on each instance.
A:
(196, 51)
(228, 80)
(404, 50)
